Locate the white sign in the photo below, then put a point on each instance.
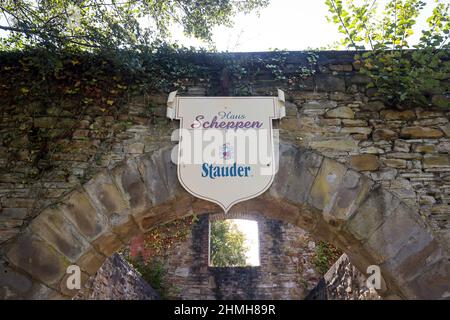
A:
(227, 152)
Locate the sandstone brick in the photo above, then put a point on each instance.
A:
(396, 231)
(395, 163)
(38, 258)
(421, 132)
(371, 214)
(334, 145)
(446, 130)
(131, 184)
(79, 210)
(361, 130)
(364, 162)
(90, 261)
(428, 148)
(341, 112)
(439, 276)
(327, 183)
(296, 174)
(436, 161)
(160, 176)
(384, 134)
(107, 243)
(52, 226)
(349, 196)
(105, 195)
(398, 115)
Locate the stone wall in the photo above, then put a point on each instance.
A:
(286, 268)
(332, 112)
(343, 282)
(116, 280)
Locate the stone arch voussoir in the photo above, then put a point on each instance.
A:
(321, 195)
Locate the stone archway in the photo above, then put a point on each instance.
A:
(320, 195)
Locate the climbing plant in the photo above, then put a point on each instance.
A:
(401, 77)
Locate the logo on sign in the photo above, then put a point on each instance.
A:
(227, 150)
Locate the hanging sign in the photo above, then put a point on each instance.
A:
(227, 152)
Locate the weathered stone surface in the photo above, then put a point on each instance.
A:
(90, 261)
(439, 276)
(354, 122)
(421, 132)
(417, 255)
(131, 184)
(396, 231)
(446, 130)
(436, 161)
(424, 148)
(38, 258)
(13, 285)
(364, 162)
(384, 134)
(79, 210)
(327, 183)
(404, 155)
(117, 280)
(395, 163)
(296, 174)
(349, 196)
(52, 226)
(341, 112)
(107, 243)
(105, 195)
(361, 130)
(398, 115)
(336, 145)
(371, 214)
(159, 173)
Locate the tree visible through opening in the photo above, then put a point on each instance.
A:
(234, 243)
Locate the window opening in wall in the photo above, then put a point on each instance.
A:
(233, 243)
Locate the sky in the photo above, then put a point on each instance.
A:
(284, 24)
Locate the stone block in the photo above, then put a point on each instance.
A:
(90, 261)
(130, 183)
(421, 132)
(354, 189)
(395, 163)
(439, 276)
(38, 258)
(335, 145)
(398, 115)
(397, 230)
(341, 112)
(107, 243)
(52, 226)
(328, 181)
(105, 195)
(371, 214)
(298, 169)
(79, 210)
(364, 162)
(436, 161)
(358, 130)
(160, 176)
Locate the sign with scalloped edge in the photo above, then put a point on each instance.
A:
(226, 151)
